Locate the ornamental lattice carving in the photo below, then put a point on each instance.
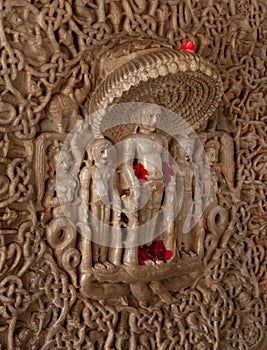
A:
(60, 62)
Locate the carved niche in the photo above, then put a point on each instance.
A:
(139, 70)
(104, 122)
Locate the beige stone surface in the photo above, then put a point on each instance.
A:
(64, 59)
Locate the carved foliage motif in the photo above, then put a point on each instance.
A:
(50, 64)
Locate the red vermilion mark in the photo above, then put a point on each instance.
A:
(167, 173)
(140, 172)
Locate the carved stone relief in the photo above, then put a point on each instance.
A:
(200, 288)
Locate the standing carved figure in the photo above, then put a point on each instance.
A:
(61, 192)
(101, 204)
(67, 183)
(145, 152)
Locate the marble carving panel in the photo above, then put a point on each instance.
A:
(182, 122)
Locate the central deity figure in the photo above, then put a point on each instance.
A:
(142, 181)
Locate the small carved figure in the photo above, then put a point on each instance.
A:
(99, 194)
(48, 195)
(212, 152)
(184, 219)
(64, 106)
(220, 153)
(60, 192)
(67, 184)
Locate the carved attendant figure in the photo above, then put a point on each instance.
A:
(99, 193)
(67, 184)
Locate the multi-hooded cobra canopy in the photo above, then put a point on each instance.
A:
(182, 82)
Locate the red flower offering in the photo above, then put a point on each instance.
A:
(156, 251)
(159, 252)
(167, 173)
(143, 255)
(188, 46)
(168, 254)
(140, 172)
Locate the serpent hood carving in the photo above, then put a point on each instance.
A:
(181, 81)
